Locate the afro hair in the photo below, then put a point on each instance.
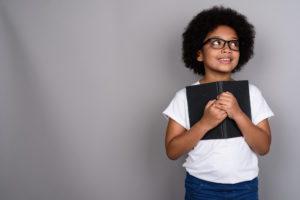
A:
(205, 22)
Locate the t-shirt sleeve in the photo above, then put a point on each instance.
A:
(177, 108)
(260, 110)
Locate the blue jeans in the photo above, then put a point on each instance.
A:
(197, 189)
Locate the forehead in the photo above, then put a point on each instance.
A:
(222, 31)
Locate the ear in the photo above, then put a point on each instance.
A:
(200, 56)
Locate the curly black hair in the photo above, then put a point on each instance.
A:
(205, 22)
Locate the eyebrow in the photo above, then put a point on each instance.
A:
(235, 38)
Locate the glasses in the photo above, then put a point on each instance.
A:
(218, 43)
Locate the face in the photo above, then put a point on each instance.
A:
(219, 60)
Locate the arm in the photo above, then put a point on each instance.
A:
(257, 136)
(180, 141)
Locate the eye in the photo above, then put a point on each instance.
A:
(216, 42)
(234, 43)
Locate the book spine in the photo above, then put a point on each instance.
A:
(218, 92)
(223, 123)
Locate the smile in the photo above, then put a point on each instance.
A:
(225, 60)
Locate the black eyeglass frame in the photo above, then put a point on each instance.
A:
(225, 42)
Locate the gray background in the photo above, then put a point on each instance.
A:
(83, 85)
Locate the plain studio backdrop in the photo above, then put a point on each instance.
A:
(83, 85)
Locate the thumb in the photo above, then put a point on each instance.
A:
(210, 102)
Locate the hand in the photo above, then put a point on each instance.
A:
(212, 115)
(227, 102)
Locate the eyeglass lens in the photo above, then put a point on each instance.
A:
(217, 43)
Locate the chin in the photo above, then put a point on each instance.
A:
(226, 69)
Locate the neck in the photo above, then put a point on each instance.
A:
(208, 79)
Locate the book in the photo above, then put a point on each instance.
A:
(199, 95)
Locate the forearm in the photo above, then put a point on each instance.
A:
(256, 137)
(184, 142)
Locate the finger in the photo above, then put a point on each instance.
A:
(210, 102)
(223, 97)
(224, 114)
(220, 107)
(226, 94)
(223, 102)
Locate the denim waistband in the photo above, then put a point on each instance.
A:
(213, 184)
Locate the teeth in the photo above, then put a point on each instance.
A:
(225, 59)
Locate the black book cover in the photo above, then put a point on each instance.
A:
(199, 95)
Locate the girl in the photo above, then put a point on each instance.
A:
(217, 43)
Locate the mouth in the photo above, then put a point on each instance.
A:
(225, 60)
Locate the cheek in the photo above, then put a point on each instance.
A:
(212, 55)
(237, 58)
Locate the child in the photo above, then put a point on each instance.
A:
(216, 43)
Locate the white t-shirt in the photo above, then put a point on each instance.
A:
(220, 160)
